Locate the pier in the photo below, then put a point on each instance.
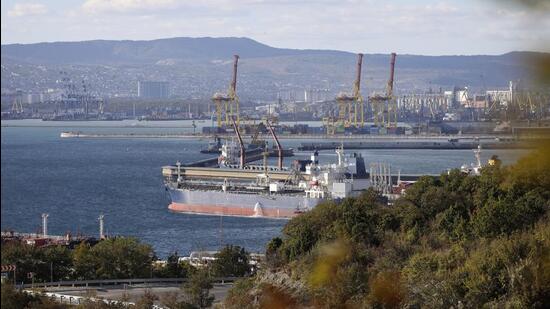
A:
(435, 144)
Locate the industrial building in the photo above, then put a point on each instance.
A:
(153, 89)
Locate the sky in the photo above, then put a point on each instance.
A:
(426, 27)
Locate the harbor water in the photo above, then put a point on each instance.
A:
(75, 180)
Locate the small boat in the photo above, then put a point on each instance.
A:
(70, 134)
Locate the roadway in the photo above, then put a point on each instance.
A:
(128, 291)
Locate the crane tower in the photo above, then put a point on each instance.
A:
(350, 107)
(384, 107)
(227, 104)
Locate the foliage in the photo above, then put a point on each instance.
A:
(114, 258)
(173, 268)
(14, 299)
(147, 300)
(172, 301)
(451, 241)
(43, 262)
(387, 290)
(240, 295)
(232, 261)
(197, 290)
(11, 298)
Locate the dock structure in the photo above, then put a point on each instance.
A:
(412, 144)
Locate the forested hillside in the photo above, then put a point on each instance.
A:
(454, 241)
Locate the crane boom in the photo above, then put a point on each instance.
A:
(357, 84)
(279, 148)
(390, 81)
(241, 144)
(233, 87)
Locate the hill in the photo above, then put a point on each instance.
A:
(205, 64)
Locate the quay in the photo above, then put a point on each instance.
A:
(435, 144)
(288, 136)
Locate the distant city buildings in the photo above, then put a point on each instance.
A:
(153, 89)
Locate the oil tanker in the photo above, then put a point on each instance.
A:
(233, 189)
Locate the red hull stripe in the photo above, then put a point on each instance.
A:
(231, 210)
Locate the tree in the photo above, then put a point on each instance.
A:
(38, 260)
(84, 262)
(173, 268)
(387, 290)
(11, 298)
(240, 296)
(114, 258)
(231, 261)
(272, 254)
(302, 232)
(197, 290)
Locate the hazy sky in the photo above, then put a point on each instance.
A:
(415, 26)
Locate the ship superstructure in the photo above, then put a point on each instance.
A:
(473, 168)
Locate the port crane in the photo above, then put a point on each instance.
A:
(384, 107)
(227, 104)
(279, 147)
(241, 143)
(17, 106)
(350, 107)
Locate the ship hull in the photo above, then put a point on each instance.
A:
(239, 204)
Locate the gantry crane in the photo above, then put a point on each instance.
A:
(17, 106)
(350, 107)
(227, 104)
(384, 107)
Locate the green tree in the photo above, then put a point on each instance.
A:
(231, 261)
(173, 268)
(37, 260)
(59, 260)
(272, 252)
(114, 258)
(197, 290)
(84, 262)
(302, 232)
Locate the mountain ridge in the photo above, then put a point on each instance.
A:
(198, 66)
(149, 51)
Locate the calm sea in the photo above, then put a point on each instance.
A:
(75, 180)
